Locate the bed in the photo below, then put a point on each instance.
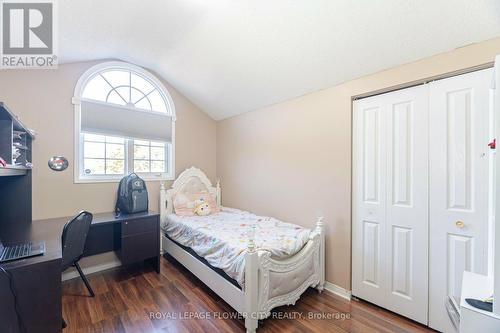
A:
(254, 263)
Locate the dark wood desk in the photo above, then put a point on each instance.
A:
(37, 280)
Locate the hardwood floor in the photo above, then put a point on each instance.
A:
(137, 299)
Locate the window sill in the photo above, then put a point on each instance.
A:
(117, 180)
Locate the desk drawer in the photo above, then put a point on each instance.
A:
(139, 247)
(139, 226)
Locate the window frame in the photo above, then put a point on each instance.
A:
(105, 158)
(79, 176)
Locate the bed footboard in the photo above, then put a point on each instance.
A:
(270, 283)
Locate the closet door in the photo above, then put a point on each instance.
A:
(407, 202)
(390, 216)
(459, 177)
(369, 254)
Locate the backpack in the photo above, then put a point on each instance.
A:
(132, 195)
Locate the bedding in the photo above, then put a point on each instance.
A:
(222, 238)
(219, 271)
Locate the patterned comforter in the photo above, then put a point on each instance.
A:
(222, 238)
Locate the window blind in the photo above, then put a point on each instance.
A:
(120, 121)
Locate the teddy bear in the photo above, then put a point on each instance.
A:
(201, 207)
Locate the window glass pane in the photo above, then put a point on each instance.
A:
(94, 137)
(115, 167)
(93, 166)
(158, 153)
(141, 84)
(157, 166)
(96, 89)
(129, 88)
(144, 104)
(117, 77)
(157, 102)
(93, 149)
(124, 93)
(136, 95)
(115, 98)
(115, 151)
(141, 166)
(141, 152)
(150, 157)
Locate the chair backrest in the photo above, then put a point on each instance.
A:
(73, 238)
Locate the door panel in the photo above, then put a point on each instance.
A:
(402, 152)
(390, 201)
(407, 213)
(371, 158)
(369, 196)
(460, 251)
(401, 264)
(458, 142)
(459, 178)
(371, 254)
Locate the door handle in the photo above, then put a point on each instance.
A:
(460, 224)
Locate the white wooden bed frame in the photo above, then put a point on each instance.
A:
(268, 282)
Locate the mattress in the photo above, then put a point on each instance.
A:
(219, 271)
(222, 239)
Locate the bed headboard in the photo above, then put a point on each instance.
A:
(192, 179)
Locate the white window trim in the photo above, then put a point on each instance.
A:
(78, 136)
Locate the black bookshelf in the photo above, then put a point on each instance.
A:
(15, 143)
(37, 280)
(15, 178)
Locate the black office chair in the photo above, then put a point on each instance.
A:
(73, 240)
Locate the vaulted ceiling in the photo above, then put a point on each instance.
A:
(233, 56)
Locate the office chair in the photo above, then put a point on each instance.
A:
(73, 240)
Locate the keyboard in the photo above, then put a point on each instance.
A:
(17, 251)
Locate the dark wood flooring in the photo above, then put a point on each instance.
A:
(137, 299)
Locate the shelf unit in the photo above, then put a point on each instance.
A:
(15, 143)
(13, 170)
(15, 178)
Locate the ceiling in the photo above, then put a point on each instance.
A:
(233, 56)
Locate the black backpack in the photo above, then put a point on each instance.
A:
(132, 195)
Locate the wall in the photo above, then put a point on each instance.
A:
(292, 160)
(42, 99)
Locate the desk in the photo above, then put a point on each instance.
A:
(135, 237)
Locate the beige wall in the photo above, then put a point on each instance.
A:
(42, 99)
(292, 160)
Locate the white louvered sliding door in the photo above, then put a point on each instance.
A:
(390, 215)
(421, 195)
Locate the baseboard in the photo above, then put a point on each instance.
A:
(91, 269)
(339, 291)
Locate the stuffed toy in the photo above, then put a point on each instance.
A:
(201, 207)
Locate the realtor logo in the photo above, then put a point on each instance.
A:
(28, 34)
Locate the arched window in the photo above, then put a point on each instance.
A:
(124, 123)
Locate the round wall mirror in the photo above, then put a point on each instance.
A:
(58, 163)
